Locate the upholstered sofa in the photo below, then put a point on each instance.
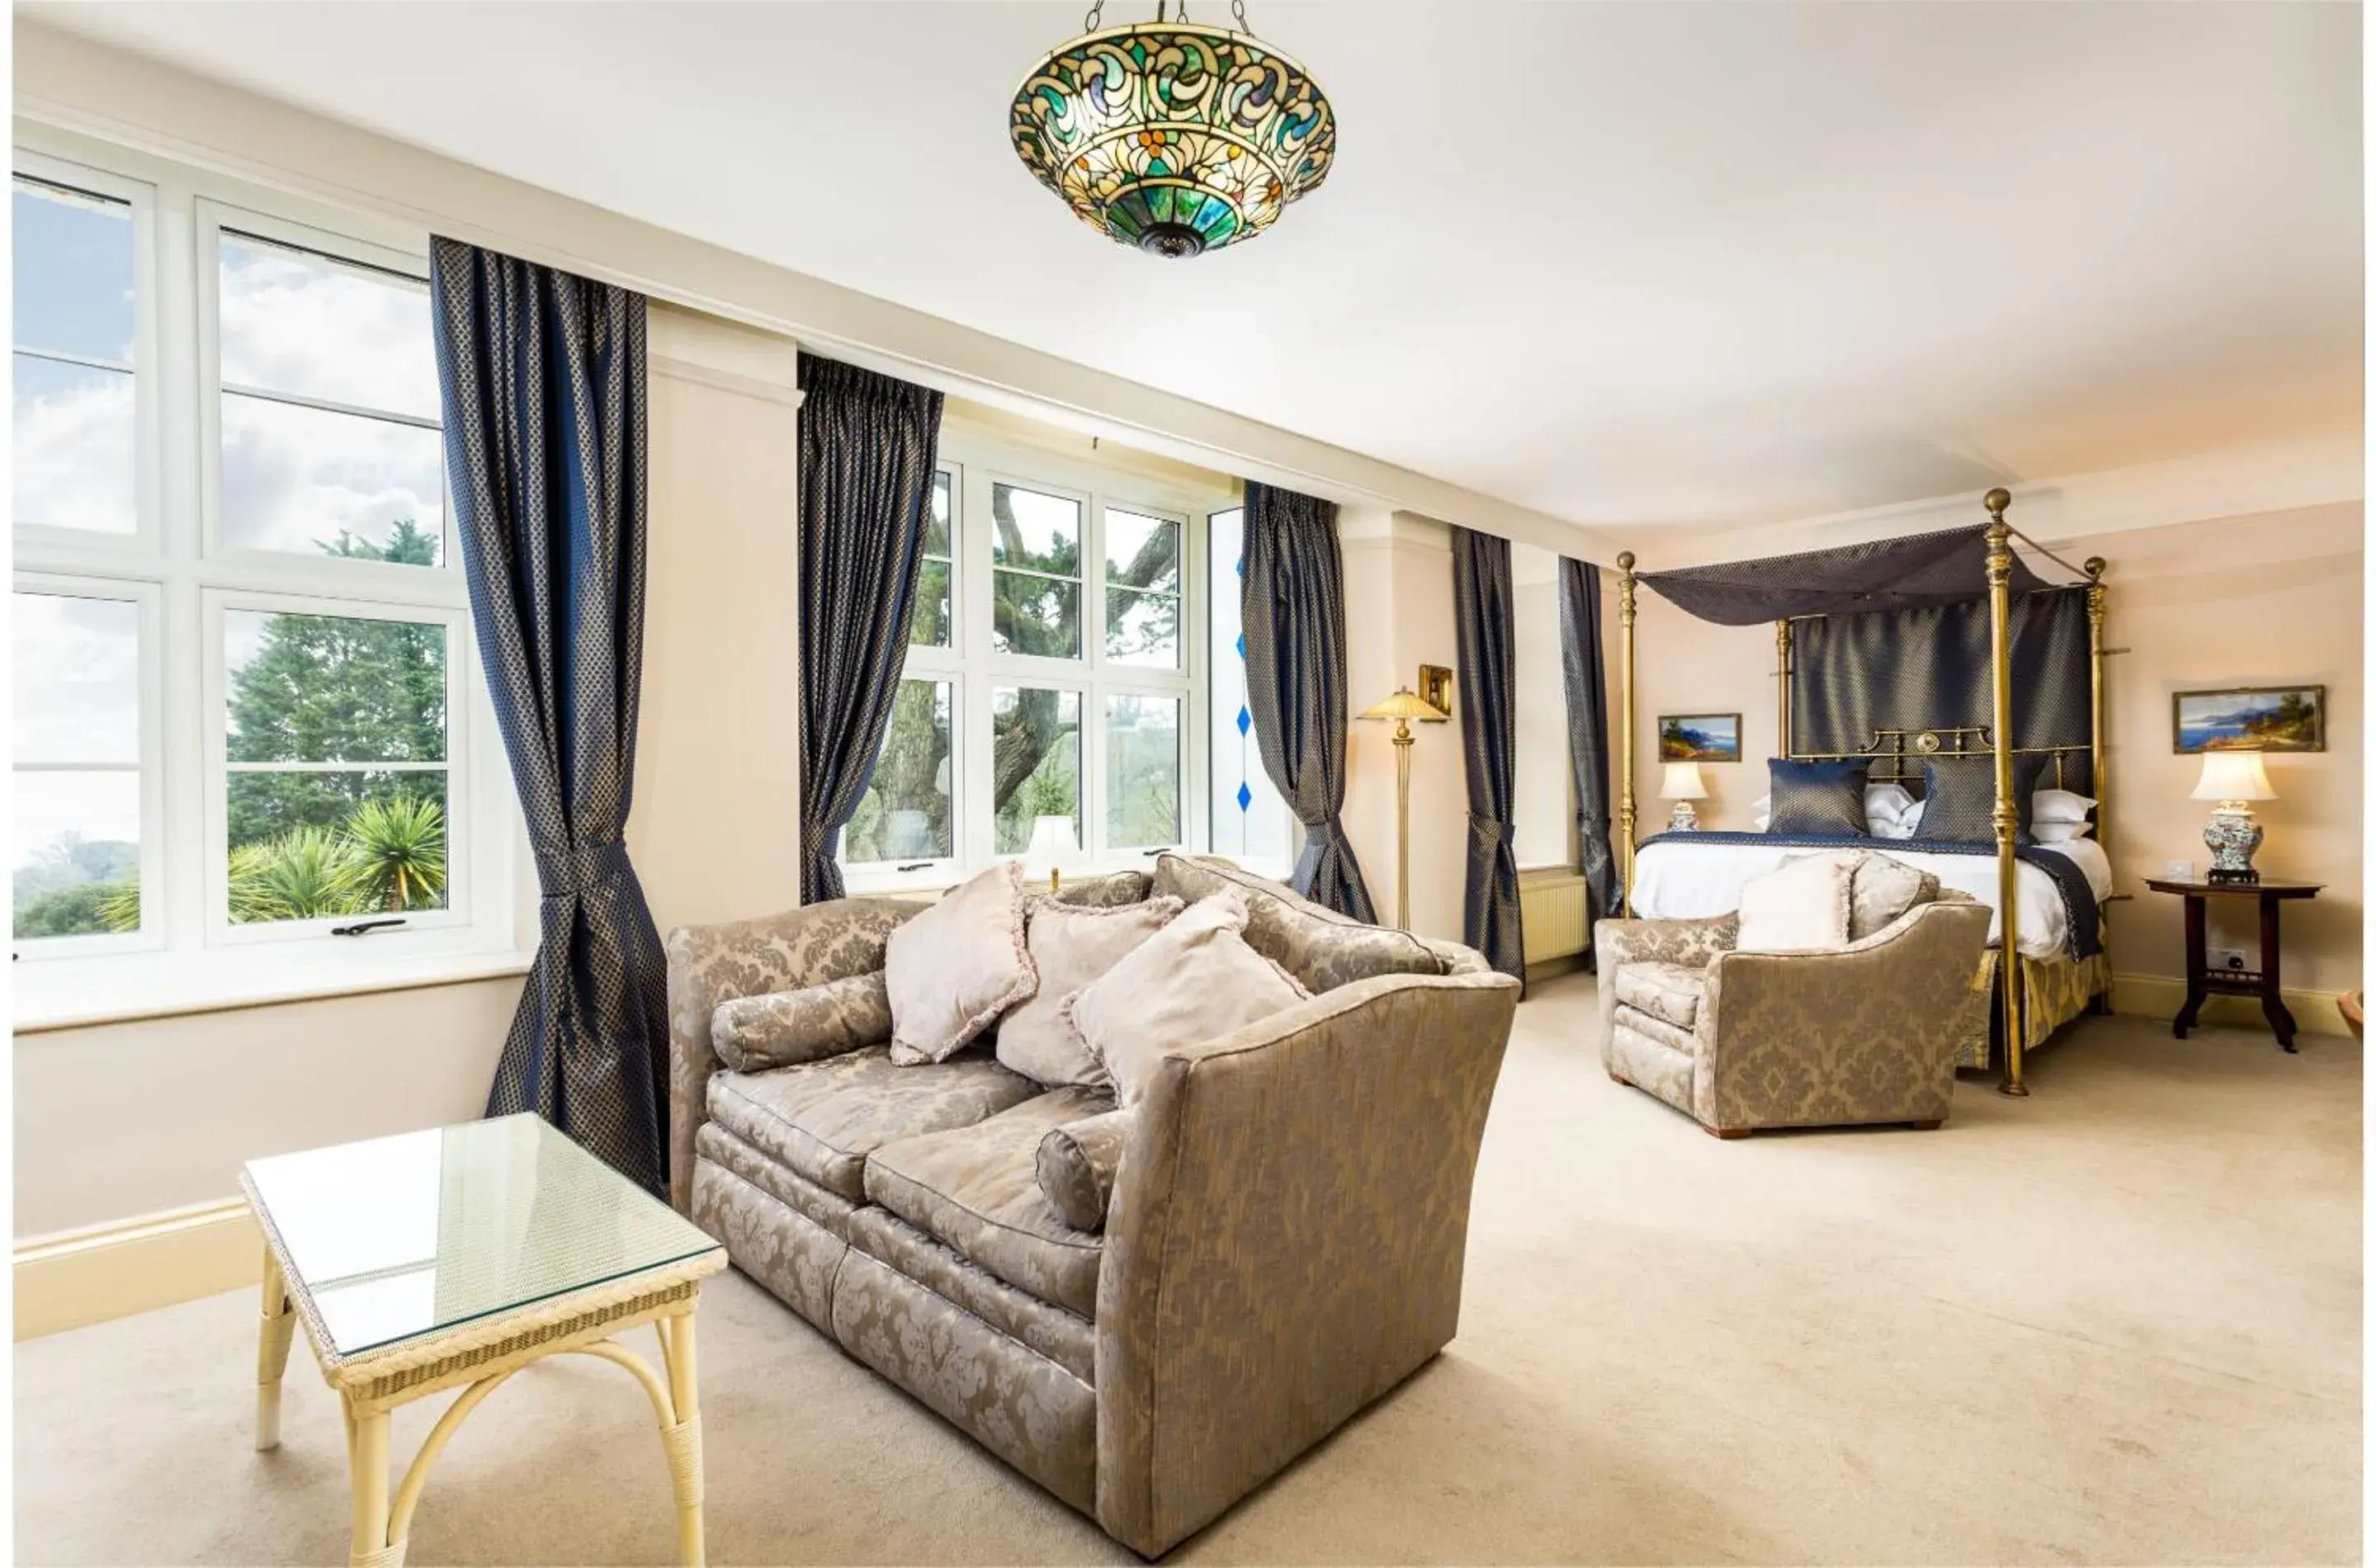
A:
(1284, 1238)
(1865, 1033)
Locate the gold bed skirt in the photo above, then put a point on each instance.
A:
(2054, 991)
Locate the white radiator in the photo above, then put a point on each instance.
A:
(1552, 908)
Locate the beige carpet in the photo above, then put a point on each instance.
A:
(2119, 1322)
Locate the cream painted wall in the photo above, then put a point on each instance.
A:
(119, 1120)
(1398, 617)
(2262, 600)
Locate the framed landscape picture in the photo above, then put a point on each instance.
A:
(1699, 737)
(2249, 719)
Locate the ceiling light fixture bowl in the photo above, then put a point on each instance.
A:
(1173, 137)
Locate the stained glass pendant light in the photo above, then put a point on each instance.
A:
(1172, 136)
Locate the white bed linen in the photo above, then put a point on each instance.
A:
(1677, 880)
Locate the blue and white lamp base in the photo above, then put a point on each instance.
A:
(2232, 836)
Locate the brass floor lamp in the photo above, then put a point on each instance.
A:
(1402, 708)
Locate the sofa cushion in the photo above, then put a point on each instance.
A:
(751, 1034)
(954, 968)
(1101, 892)
(1671, 992)
(1802, 908)
(1654, 1027)
(1194, 981)
(977, 1188)
(1065, 1339)
(1077, 1163)
(1070, 947)
(824, 1118)
(1319, 947)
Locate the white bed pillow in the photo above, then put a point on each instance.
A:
(1886, 805)
(1763, 811)
(2059, 832)
(1806, 907)
(2058, 805)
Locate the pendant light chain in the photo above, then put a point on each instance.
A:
(1096, 14)
(1238, 9)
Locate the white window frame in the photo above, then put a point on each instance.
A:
(975, 462)
(189, 954)
(148, 598)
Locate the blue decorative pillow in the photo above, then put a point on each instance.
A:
(1822, 798)
(1959, 798)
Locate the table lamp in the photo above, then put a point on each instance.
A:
(1402, 708)
(1053, 845)
(1682, 785)
(2235, 780)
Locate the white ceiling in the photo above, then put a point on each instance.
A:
(1696, 265)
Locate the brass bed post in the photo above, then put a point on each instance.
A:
(1782, 671)
(2094, 568)
(1625, 733)
(2007, 814)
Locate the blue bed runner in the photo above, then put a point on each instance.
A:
(2082, 915)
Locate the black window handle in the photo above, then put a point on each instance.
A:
(365, 928)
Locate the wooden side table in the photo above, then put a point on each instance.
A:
(2202, 980)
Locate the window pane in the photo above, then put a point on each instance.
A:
(1043, 532)
(1142, 552)
(292, 322)
(334, 688)
(73, 273)
(303, 480)
(1035, 615)
(1143, 770)
(73, 441)
(78, 867)
(904, 816)
(1142, 628)
(936, 525)
(1035, 761)
(307, 845)
(78, 679)
(929, 628)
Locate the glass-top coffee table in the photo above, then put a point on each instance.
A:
(455, 1257)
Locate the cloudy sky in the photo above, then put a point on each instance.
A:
(292, 476)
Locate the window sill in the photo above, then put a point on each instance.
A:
(866, 882)
(72, 993)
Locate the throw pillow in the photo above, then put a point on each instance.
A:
(753, 1034)
(1882, 889)
(1070, 944)
(1822, 798)
(1802, 908)
(2060, 805)
(1194, 980)
(1319, 947)
(954, 968)
(1076, 1166)
(1959, 798)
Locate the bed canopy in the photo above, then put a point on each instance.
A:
(1902, 649)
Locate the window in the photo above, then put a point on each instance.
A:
(244, 688)
(1053, 671)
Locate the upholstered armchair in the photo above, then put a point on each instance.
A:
(1738, 1042)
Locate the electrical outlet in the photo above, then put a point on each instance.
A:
(2179, 871)
(2221, 958)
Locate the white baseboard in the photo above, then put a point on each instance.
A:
(2161, 996)
(134, 1265)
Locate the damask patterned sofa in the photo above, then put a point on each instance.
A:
(1861, 1034)
(1285, 1235)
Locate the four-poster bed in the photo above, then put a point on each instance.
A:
(1905, 655)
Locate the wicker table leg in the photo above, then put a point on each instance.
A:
(272, 1354)
(368, 1459)
(684, 1438)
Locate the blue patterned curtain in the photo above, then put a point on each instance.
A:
(1485, 623)
(868, 446)
(1294, 616)
(1588, 734)
(541, 376)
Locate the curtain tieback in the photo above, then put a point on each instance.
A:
(581, 868)
(1494, 830)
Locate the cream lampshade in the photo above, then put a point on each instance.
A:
(1683, 783)
(2235, 780)
(1053, 846)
